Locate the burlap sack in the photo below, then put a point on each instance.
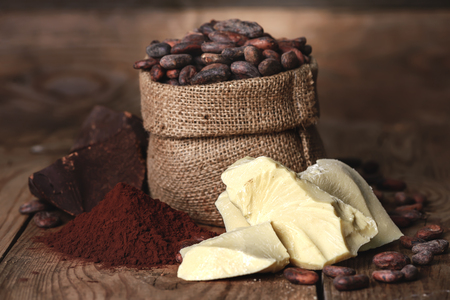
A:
(196, 132)
(258, 105)
(185, 173)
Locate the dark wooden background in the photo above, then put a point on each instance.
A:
(384, 90)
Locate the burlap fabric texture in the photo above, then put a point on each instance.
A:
(196, 132)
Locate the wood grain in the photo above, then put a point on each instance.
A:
(31, 271)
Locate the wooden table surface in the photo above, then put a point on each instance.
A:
(384, 89)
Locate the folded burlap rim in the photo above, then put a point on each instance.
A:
(252, 106)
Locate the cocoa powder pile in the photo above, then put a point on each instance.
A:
(127, 228)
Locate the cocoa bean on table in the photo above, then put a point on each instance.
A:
(351, 282)
(390, 184)
(47, 219)
(430, 232)
(186, 74)
(408, 241)
(391, 260)
(244, 68)
(252, 55)
(411, 272)
(400, 221)
(270, 66)
(300, 276)
(335, 271)
(435, 246)
(228, 37)
(211, 74)
(249, 29)
(34, 206)
(175, 61)
(158, 50)
(388, 276)
(424, 257)
(419, 198)
(401, 198)
(415, 206)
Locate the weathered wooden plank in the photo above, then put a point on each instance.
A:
(31, 271)
(16, 166)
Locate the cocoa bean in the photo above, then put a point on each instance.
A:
(211, 74)
(401, 198)
(158, 50)
(186, 74)
(435, 246)
(194, 37)
(173, 74)
(213, 58)
(270, 66)
(175, 61)
(47, 219)
(271, 54)
(290, 43)
(393, 185)
(352, 282)
(249, 29)
(252, 55)
(154, 42)
(412, 215)
(391, 260)
(193, 48)
(157, 73)
(172, 42)
(334, 271)
(227, 37)
(289, 60)
(415, 206)
(301, 40)
(213, 47)
(306, 50)
(146, 64)
(172, 82)
(419, 198)
(408, 241)
(34, 206)
(388, 276)
(206, 28)
(430, 232)
(411, 272)
(300, 276)
(297, 52)
(263, 43)
(179, 258)
(424, 257)
(235, 53)
(244, 68)
(400, 221)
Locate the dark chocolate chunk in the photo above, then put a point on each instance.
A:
(80, 180)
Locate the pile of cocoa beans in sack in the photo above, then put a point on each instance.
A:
(222, 50)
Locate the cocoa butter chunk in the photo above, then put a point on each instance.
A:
(77, 182)
(102, 123)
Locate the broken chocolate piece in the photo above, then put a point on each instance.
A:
(80, 180)
(102, 123)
